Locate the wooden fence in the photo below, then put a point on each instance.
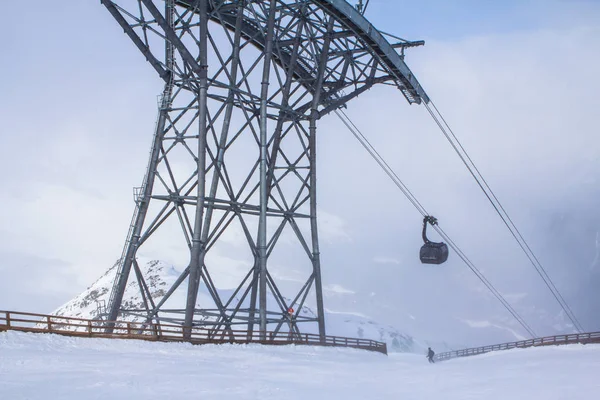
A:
(68, 326)
(583, 338)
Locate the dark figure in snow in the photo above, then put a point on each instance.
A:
(430, 355)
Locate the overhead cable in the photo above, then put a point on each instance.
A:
(491, 196)
(421, 209)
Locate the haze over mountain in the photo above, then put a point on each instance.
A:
(160, 276)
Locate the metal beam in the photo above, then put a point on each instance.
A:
(195, 266)
(262, 223)
(110, 6)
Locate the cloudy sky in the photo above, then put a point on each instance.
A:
(517, 80)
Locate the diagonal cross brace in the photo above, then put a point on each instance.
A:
(200, 70)
(110, 6)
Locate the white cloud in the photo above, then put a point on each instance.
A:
(332, 228)
(386, 260)
(335, 289)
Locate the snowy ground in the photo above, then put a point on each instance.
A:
(53, 367)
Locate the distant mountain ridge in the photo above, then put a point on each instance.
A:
(159, 275)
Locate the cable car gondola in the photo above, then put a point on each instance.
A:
(432, 252)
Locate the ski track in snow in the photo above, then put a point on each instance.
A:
(35, 366)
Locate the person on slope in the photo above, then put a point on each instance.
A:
(430, 355)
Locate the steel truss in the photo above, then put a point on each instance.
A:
(245, 80)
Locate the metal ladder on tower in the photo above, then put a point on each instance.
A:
(139, 193)
(138, 196)
(125, 247)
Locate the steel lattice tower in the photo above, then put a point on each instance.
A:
(244, 79)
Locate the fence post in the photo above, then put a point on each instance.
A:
(129, 329)
(8, 319)
(49, 320)
(90, 327)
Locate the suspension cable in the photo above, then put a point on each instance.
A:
(415, 202)
(501, 211)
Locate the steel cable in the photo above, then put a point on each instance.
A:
(421, 209)
(500, 210)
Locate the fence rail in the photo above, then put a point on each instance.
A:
(583, 338)
(69, 326)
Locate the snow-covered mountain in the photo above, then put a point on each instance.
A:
(160, 276)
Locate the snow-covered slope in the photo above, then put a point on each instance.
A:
(160, 276)
(48, 366)
(92, 302)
